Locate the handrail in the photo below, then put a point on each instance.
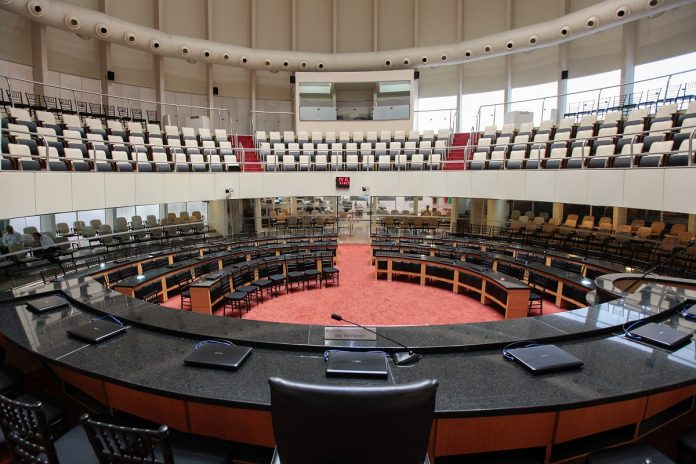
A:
(600, 89)
(395, 163)
(128, 99)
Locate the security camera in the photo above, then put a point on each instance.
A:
(366, 189)
(229, 190)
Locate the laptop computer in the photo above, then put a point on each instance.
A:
(357, 364)
(661, 335)
(219, 355)
(97, 330)
(541, 359)
(690, 313)
(46, 303)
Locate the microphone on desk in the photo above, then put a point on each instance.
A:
(667, 260)
(400, 358)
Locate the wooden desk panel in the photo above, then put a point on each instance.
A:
(157, 408)
(578, 423)
(240, 425)
(485, 434)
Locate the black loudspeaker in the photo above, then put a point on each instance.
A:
(564, 74)
(416, 74)
(110, 76)
(292, 79)
(216, 91)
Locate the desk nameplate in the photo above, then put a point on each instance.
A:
(348, 333)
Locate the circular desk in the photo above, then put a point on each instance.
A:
(484, 404)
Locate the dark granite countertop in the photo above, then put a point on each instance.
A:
(474, 378)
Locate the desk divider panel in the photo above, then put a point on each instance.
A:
(157, 408)
(88, 385)
(497, 433)
(579, 423)
(240, 425)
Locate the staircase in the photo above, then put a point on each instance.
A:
(251, 157)
(456, 158)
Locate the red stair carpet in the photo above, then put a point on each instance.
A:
(251, 158)
(363, 299)
(456, 158)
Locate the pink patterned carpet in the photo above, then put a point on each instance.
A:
(364, 299)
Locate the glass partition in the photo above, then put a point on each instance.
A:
(355, 101)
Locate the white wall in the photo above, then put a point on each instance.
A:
(36, 193)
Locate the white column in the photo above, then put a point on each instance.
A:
(212, 115)
(628, 55)
(159, 62)
(496, 212)
(508, 59)
(562, 88)
(39, 56)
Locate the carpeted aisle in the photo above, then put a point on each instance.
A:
(363, 299)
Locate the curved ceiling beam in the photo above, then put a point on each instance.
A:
(88, 23)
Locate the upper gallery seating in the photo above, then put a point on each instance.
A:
(384, 150)
(87, 143)
(638, 140)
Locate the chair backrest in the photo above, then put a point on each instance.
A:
(26, 431)
(389, 424)
(125, 445)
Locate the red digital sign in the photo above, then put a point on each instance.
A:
(342, 182)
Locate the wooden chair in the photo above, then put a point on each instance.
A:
(114, 443)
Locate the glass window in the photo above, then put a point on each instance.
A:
(490, 115)
(147, 210)
(650, 86)
(68, 218)
(590, 93)
(87, 216)
(538, 99)
(436, 113)
(127, 212)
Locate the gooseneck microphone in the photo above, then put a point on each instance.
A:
(667, 260)
(400, 358)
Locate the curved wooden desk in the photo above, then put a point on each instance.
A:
(484, 405)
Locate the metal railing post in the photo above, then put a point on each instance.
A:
(9, 91)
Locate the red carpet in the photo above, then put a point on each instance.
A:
(363, 299)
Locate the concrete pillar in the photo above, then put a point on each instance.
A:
(476, 211)
(39, 56)
(508, 60)
(692, 223)
(416, 205)
(258, 213)
(628, 56)
(218, 216)
(619, 216)
(159, 63)
(558, 211)
(562, 87)
(104, 58)
(293, 205)
(496, 212)
(454, 214)
(212, 115)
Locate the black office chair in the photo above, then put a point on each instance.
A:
(328, 424)
(130, 445)
(28, 436)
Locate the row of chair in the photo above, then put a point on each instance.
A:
(345, 137)
(37, 102)
(650, 99)
(152, 132)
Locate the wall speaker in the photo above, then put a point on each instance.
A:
(292, 79)
(564, 74)
(416, 74)
(110, 76)
(216, 91)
